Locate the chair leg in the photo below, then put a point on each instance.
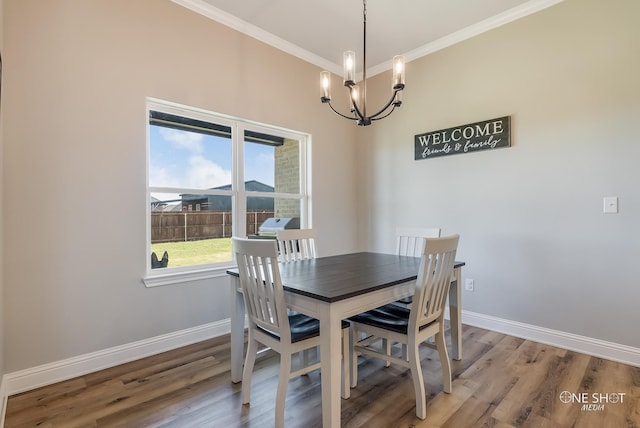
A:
(252, 352)
(346, 361)
(441, 345)
(283, 382)
(386, 344)
(418, 381)
(353, 339)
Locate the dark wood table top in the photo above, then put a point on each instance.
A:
(340, 277)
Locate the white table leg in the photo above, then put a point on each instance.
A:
(237, 330)
(455, 313)
(330, 356)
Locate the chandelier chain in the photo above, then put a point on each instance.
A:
(364, 58)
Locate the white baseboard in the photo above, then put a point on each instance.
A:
(586, 345)
(47, 374)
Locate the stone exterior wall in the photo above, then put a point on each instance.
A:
(287, 179)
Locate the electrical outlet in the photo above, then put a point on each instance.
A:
(469, 285)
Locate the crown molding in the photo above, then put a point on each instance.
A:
(257, 33)
(224, 18)
(471, 31)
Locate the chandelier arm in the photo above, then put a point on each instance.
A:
(388, 114)
(383, 109)
(340, 114)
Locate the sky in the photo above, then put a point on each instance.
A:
(197, 161)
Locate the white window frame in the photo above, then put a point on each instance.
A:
(175, 275)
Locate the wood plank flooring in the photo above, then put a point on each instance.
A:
(501, 382)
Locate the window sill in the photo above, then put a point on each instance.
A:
(179, 277)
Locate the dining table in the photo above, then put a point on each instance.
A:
(334, 288)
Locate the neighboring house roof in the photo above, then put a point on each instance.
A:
(223, 203)
(251, 185)
(171, 205)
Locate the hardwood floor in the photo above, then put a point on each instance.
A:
(502, 381)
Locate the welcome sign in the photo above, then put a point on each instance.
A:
(485, 135)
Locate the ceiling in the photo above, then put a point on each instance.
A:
(320, 31)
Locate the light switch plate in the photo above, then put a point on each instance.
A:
(610, 205)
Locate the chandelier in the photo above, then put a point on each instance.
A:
(358, 106)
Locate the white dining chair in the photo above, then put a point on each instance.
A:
(410, 241)
(296, 244)
(412, 327)
(271, 324)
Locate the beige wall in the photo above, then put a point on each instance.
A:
(74, 110)
(530, 217)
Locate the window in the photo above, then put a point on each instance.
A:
(211, 177)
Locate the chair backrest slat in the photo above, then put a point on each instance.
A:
(434, 280)
(262, 285)
(410, 241)
(296, 244)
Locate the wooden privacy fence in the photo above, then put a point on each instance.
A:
(196, 225)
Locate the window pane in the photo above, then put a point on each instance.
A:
(271, 163)
(188, 159)
(191, 229)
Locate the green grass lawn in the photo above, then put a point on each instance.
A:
(195, 252)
